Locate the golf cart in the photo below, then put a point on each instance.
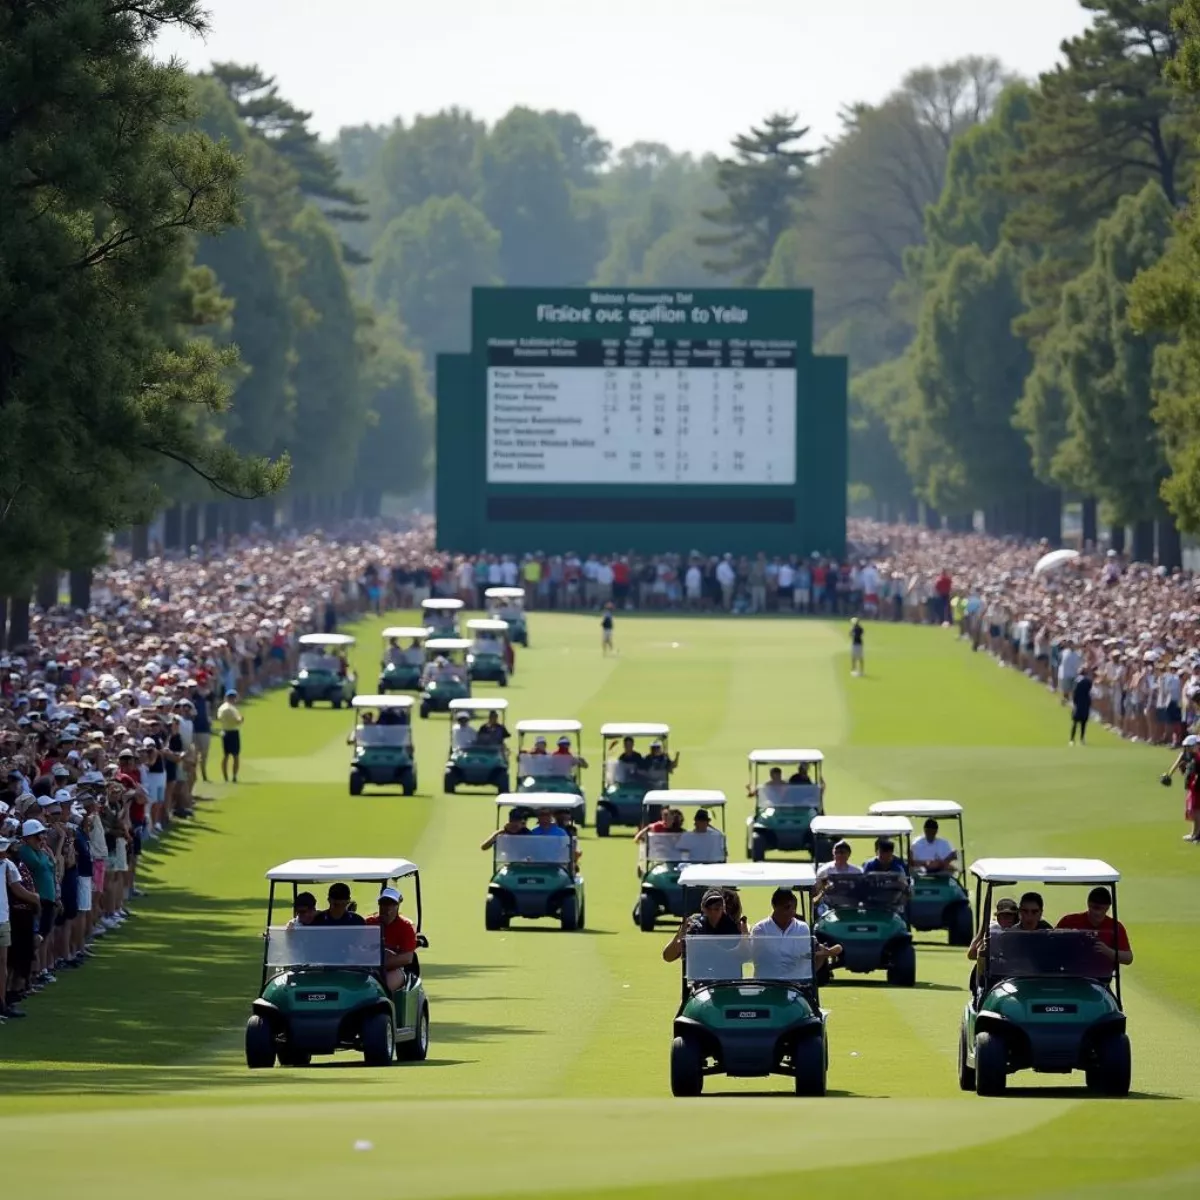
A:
(534, 877)
(661, 856)
(400, 670)
(865, 913)
(750, 1005)
(626, 784)
(559, 774)
(383, 751)
(507, 604)
(486, 660)
(1043, 1000)
(324, 987)
(446, 676)
(783, 810)
(479, 764)
(440, 616)
(323, 673)
(939, 900)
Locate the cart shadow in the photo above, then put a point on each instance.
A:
(775, 1095)
(1079, 1093)
(922, 985)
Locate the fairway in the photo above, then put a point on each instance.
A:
(547, 1071)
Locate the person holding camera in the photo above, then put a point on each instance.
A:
(1188, 765)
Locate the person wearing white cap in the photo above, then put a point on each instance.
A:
(230, 721)
(399, 937)
(37, 858)
(1188, 764)
(462, 735)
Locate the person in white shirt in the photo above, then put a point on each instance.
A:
(691, 585)
(787, 580)
(702, 843)
(509, 571)
(773, 957)
(726, 577)
(1068, 671)
(933, 853)
(463, 735)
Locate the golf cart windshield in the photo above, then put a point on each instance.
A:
(547, 766)
(1046, 953)
(688, 847)
(709, 958)
(411, 655)
(487, 643)
(324, 946)
(316, 660)
(789, 795)
(383, 735)
(633, 775)
(879, 889)
(533, 850)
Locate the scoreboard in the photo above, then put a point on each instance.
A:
(664, 419)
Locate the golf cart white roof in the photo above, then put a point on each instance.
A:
(862, 826)
(484, 625)
(469, 704)
(764, 874)
(448, 644)
(405, 631)
(326, 639)
(382, 702)
(443, 603)
(1044, 870)
(551, 725)
(552, 800)
(505, 593)
(786, 757)
(331, 870)
(685, 798)
(916, 808)
(634, 729)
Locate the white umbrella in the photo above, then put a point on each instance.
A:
(1053, 561)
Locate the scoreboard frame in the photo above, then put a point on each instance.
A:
(518, 517)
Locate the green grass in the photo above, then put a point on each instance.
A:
(548, 1067)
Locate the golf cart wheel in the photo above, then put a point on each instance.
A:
(260, 1044)
(966, 1074)
(336, 702)
(603, 822)
(493, 914)
(424, 712)
(808, 1061)
(687, 1068)
(647, 914)
(1112, 1073)
(991, 1065)
(294, 1058)
(418, 1048)
(499, 780)
(503, 681)
(408, 783)
(902, 967)
(568, 915)
(758, 847)
(356, 783)
(449, 782)
(378, 1039)
(308, 702)
(293, 700)
(960, 925)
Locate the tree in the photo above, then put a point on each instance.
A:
(763, 185)
(584, 151)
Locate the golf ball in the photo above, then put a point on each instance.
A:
(364, 1145)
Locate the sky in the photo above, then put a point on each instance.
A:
(688, 73)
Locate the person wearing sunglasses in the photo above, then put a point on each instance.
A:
(712, 919)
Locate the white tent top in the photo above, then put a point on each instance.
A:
(442, 604)
(686, 798)
(505, 593)
(785, 756)
(551, 725)
(634, 729)
(326, 639)
(382, 702)
(1044, 870)
(405, 631)
(552, 800)
(474, 704)
(862, 826)
(764, 874)
(484, 625)
(916, 808)
(332, 870)
(448, 644)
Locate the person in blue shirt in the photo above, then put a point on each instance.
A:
(885, 858)
(547, 826)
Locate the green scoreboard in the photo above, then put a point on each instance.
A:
(659, 420)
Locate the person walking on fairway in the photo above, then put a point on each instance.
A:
(1081, 705)
(606, 630)
(230, 721)
(856, 646)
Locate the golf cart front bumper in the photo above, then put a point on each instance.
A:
(322, 1032)
(785, 835)
(1054, 1046)
(749, 1052)
(532, 901)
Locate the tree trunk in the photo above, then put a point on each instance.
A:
(912, 512)
(191, 526)
(933, 519)
(1090, 534)
(1116, 538)
(140, 542)
(1045, 515)
(266, 512)
(3, 622)
(1143, 542)
(1170, 546)
(372, 502)
(18, 622)
(173, 527)
(213, 518)
(46, 592)
(81, 588)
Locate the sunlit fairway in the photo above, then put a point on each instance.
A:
(548, 1066)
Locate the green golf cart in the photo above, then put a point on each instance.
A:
(324, 987)
(485, 659)
(1048, 1000)
(323, 674)
(535, 877)
(865, 914)
(446, 676)
(626, 783)
(939, 898)
(750, 1004)
(558, 769)
(785, 802)
(507, 604)
(400, 670)
(441, 616)
(661, 856)
(382, 740)
(470, 762)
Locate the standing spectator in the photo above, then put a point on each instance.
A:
(1081, 705)
(19, 907)
(856, 647)
(201, 697)
(230, 721)
(606, 631)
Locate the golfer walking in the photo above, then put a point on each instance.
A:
(230, 720)
(856, 647)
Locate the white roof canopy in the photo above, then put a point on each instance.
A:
(326, 639)
(442, 604)
(916, 808)
(505, 593)
(862, 826)
(685, 797)
(474, 704)
(484, 625)
(436, 644)
(1044, 870)
(332, 870)
(765, 874)
(405, 631)
(551, 725)
(786, 757)
(553, 800)
(634, 729)
(382, 702)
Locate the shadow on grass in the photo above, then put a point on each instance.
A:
(922, 985)
(1066, 1092)
(777, 1092)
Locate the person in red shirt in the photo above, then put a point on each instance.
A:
(942, 588)
(399, 937)
(1096, 918)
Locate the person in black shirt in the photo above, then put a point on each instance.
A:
(1081, 705)
(712, 919)
(856, 647)
(339, 911)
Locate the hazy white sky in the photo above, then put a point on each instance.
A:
(690, 73)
